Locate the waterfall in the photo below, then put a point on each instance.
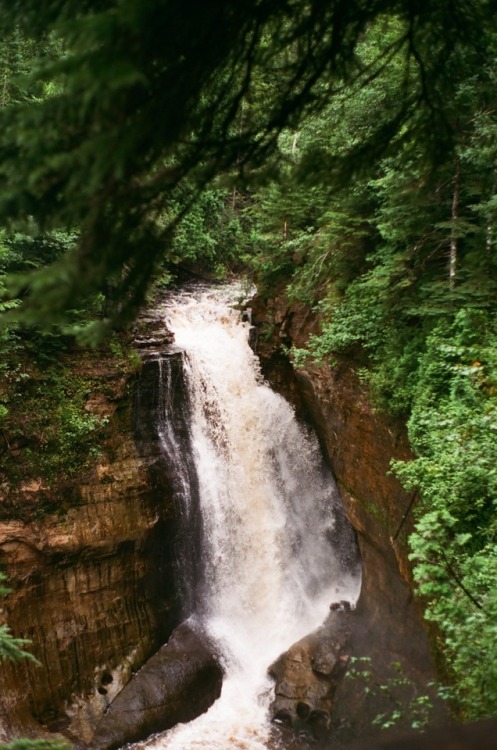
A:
(271, 560)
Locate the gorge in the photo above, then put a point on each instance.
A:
(342, 157)
(137, 505)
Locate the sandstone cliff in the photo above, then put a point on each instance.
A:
(94, 583)
(359, 443)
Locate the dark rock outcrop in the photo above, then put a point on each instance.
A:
(309, 673)
(150, 335)
(176, 685)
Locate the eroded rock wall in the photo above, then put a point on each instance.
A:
(93, 588)
(360, 444)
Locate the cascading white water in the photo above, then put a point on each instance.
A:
(270, 566)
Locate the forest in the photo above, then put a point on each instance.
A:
(343, 154)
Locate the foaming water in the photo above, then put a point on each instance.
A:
(271, 559)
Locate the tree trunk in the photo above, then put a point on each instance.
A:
(455, 216)
(490, 218)
(4, 97)
(240, 130)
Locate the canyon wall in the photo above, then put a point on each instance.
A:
(93, 586)
(359, 443)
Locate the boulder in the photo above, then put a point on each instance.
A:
(177, 684)
(308, 674)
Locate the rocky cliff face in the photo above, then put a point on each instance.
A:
(359, 443)
(94, 586)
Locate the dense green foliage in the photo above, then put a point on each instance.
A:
(452, 428)
(48, 431)
(148, 102)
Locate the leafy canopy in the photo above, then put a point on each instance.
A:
(147, 97)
